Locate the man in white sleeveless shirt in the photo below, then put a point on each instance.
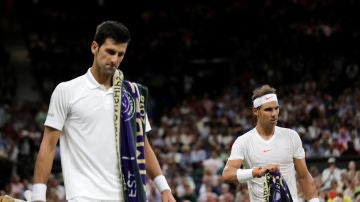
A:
(269, 148)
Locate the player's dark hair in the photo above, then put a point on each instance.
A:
(112, 29)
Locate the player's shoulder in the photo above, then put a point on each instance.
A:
(247, 134)
(73, 82)
(286, 131)
(279, 128)
(72, 86)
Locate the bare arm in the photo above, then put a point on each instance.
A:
(305, 179)
(229, 172)
(153, 169)
(231, 168)
(45, 157)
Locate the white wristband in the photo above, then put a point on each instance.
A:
(244, 175)
(161, 183)
(314, 200)
(38, 192)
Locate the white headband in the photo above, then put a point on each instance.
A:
(264, 99)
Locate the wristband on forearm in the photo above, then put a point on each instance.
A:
(244, 175)
(256, 172)
(161, 183)
(38, 192)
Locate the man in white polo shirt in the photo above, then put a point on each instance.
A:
(103, 154)
(269, 148)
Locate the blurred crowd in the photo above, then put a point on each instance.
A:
(200, 72)
(193, 139)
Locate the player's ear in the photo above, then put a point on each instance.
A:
(255, 110)
(94, 47)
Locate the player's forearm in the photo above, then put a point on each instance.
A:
(233, 175)
(308, 186)
(230, 175)
(153, 168)
(43, 165)
(42, 171)
(154, 171)
(45, 157)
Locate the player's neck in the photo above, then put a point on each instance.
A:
(265, 132)
(101, 79)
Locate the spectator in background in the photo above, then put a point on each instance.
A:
(314, 130)
(183, 180)
(242, 193)
(189, 194)
(351, 171)
(185, 158)
(225, 194)
(7, 160)
(349, 191)
(55, 186)
(198, 153)
(350, 150)
(17, 187)
(344, 182)
(340, 197)
(214, 162)
(208, 195)
(355, 139)
(26, 146)
(357, 194)
(332, 150)
(331, 173)
(343, 139)
(316, 150)
(40, 116)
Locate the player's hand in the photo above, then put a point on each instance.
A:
(272, 168)
(6, 198)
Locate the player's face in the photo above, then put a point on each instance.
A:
(108, 56)
(268, 114)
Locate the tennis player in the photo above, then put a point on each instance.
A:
(101, 121)
(269, 148)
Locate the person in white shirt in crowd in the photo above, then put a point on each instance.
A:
(330, 173)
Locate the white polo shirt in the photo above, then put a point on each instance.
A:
(84, 111)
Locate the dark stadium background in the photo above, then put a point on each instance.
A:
(281, 42)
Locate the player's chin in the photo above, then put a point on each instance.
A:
(111, 70)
